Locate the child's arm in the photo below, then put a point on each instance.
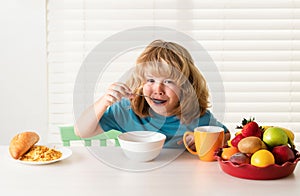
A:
(87, 124)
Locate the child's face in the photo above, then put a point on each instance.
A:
(165, 93)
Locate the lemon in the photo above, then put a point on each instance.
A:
(229, 143)
(262, 158)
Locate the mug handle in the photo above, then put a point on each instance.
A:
(186, 145)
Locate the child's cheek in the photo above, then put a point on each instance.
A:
(146, 90)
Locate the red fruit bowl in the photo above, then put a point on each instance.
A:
(248, 171)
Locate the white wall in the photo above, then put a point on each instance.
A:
(23, 70)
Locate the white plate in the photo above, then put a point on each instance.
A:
(66, 153)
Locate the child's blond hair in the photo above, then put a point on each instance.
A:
(171, 60)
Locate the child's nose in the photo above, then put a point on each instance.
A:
(159, 88)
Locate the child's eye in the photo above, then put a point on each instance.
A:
(150, 80)
(168, 82)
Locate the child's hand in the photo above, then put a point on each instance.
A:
(227, 137)
(190, 142)
(115, 92)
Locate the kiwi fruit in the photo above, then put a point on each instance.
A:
(250, 145)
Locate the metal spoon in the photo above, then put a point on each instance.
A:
(144, 96)
(152, 99)
(157, 101)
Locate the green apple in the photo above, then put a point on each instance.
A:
(275, 136)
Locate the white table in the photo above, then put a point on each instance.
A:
(83, 174)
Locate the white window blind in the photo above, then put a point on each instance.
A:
(255, 45)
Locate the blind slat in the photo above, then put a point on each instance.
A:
(171, 4)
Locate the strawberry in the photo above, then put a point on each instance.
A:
(259, 133)
(236, 140)
(250, 129)
(244, 122)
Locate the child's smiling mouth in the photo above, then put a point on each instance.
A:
(158, 101)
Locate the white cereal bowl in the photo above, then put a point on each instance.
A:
(142, 156)
(141, 146)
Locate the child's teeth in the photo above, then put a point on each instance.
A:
(158, 101)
